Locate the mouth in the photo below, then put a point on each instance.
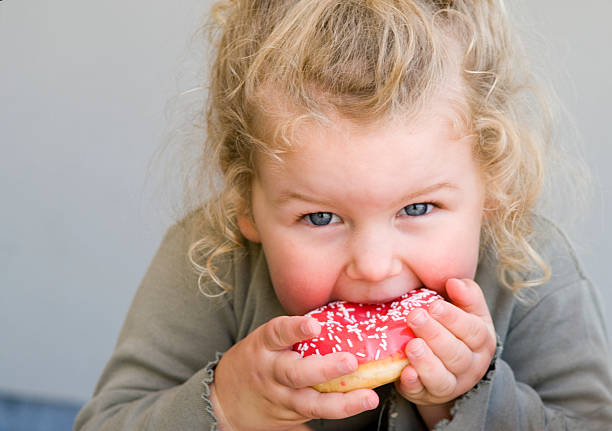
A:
(371, 298)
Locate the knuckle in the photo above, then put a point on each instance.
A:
(435, 334)
(258, 378)
(329, 372)
(477, 333)
(492, 344)
(413, 393)
(446, 388)
(274, 330)
(308, 410)
(349, 409)
(451, 316)
(459, 361)
(491, 348)
(292, 377)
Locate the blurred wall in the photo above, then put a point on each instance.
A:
(84, 91)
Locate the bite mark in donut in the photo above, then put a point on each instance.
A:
(376, 334)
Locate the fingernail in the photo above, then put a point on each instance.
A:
(437, 308)
(410, 376)
(344, 367)
(417, 318)
(369, 403)
(461, 282)
(309, 327)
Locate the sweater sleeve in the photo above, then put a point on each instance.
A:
(552, 374)
(173, 336)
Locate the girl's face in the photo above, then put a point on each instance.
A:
(368, 214)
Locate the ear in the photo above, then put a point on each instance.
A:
(247, 228)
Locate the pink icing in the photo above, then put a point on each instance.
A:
(369, 331)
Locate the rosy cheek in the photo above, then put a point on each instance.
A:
(301, 289)
(298, 299)
(434, 276)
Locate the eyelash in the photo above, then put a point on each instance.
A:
(434, 205)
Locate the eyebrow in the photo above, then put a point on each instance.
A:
(286, 196)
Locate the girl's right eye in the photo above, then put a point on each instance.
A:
(321, 218)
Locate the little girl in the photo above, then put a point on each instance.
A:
(367, 148)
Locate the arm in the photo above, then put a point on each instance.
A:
(154, 378)
(167, 371)
(552, 367)
(553, 372)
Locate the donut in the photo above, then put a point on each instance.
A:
(376, 334)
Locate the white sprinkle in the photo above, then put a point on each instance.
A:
(338, 339)
(360, 354)
(377, 355)
(350, 343)
(338, 347)
(334, 349)
(329, 335)
(312, 345)
(373, 336)
(359, 336)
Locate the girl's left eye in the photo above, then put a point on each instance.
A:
(415, 210)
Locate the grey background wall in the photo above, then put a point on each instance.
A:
(85, 92)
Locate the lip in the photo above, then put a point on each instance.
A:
(373, 299)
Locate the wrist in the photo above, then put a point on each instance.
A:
(222, 422)
(432, 414)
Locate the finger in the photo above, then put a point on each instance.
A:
(409, 384)
(453, 352)
(434, 376)
(283, 332)
(468, 296)
(296, 372)
(470, 329)
(335, 405)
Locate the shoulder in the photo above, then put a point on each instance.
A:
(569, 293)
(186, 245)
(567, 288)
(178, 264)
(555, 248)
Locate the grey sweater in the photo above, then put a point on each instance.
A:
(552, 368)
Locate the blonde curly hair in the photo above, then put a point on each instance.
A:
(369, 60)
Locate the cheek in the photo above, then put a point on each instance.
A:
(454, 259)
(436, 275)
(301, 281)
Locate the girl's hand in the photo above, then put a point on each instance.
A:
(452, 353)
(260, 384)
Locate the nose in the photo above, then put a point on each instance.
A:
(374, 257)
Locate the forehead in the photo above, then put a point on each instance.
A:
(286, 129)
(371, 164)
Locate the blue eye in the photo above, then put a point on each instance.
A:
(320, 218)
(415, 210)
